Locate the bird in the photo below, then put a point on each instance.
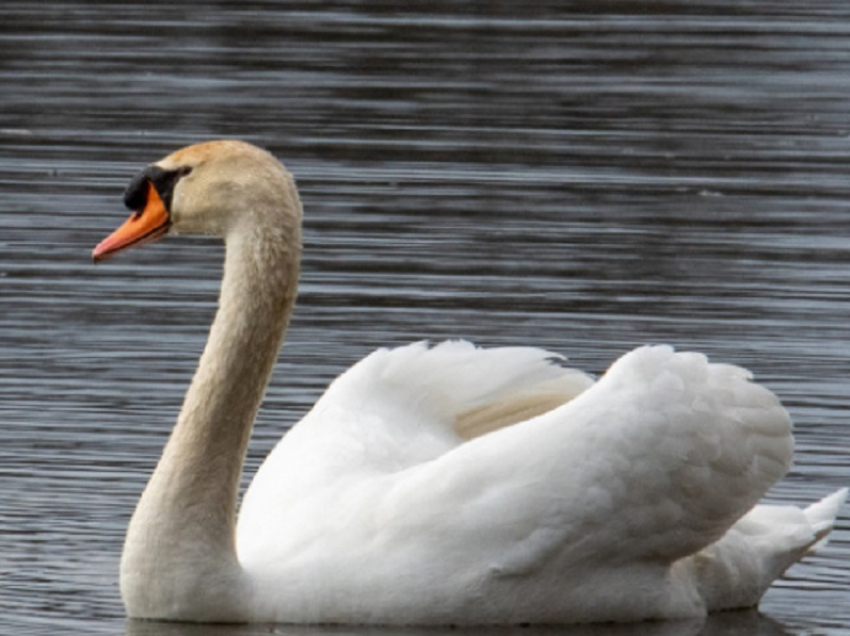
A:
(441, 484)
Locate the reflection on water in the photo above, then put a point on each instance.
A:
(745, 623)
(583, 176)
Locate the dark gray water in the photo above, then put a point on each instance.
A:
(584, 176)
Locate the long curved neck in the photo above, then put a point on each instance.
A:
(179, 557)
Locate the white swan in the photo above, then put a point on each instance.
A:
(447, 484)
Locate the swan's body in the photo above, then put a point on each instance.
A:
(448, 484)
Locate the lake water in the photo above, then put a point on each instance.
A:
(583, 176)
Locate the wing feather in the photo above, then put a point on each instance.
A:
(655, 461)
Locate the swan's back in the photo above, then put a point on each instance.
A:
(574, 514)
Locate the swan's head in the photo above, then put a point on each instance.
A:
(208, 188)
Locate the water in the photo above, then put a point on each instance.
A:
(584, 176)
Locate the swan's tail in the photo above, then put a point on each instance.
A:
(821, 517)
(736, 571)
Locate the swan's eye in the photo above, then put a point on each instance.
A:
(136, 194)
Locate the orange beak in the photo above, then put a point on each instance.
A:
(143, 226)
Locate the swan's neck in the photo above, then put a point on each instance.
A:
(179, 558)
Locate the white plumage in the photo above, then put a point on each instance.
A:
(445, 484)
(574, 515)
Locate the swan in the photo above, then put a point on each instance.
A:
(443, 484)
